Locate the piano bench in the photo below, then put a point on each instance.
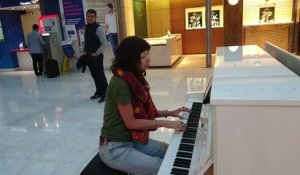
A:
(96, 167)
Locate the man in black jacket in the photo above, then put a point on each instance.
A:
(95, 41)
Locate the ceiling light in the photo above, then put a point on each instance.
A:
(233, 2)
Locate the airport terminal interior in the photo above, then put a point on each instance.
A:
(50, 126)
(241, 66)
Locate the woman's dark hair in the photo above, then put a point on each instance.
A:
(128, 56)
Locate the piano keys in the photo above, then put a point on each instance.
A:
(190, 153)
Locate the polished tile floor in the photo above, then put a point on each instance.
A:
(50, 127)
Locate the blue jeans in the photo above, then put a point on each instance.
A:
(134, 157)
(113, 39)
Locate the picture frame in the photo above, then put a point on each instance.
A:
(266, 14)
(217, 16)
(194, 18)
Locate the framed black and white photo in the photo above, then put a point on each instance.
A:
(217, 16)
(266, 14)
(194, 18)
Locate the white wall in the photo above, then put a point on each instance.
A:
(28, 20)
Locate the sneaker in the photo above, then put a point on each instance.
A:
(95, 96)
(102, 99)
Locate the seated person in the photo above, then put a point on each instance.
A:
(129, 114)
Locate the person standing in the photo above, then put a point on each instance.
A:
(111, 27)
(94, 44)
(35, 44)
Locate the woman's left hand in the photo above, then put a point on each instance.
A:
(176, 112)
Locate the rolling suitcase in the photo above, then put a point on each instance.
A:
(52, 68)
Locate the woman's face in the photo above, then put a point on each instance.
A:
(145, 60)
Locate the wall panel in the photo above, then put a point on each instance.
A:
(193, 40)
(233, 24)
(276, 34)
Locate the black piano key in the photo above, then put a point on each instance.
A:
(191, 130)
(197, 106)
(193, 119)
(182, 145)
(184, 140)
(194, 115)
(196, 110)
(184, 154)
(186, 147)
(192, 125)
(188, 138)
(189, 135)
(181, 164)
(177, 171)
(189, 123)
(192, 122)
(183, 161)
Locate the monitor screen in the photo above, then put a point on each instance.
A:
(46, 34)
(71, 32)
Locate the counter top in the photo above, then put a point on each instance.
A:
(156, 41)
(247, 75)
(162, 40)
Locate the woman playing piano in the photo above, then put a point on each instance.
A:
(129, 114)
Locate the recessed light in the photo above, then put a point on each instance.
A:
(233, 2)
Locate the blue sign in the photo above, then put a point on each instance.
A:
(74, 14)
(68, 49)
(11, 3)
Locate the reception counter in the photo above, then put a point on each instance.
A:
(24, 59)
(165, 50)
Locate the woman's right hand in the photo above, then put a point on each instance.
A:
(179, 126)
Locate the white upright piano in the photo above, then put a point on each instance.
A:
(251, 125)
(256, 114)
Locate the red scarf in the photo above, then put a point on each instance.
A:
(142, 103)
